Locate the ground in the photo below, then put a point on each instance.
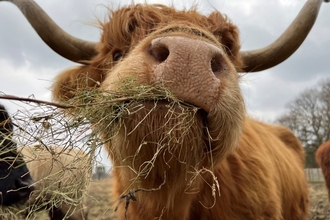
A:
(98, 201)
(320, 207)
(100, 209)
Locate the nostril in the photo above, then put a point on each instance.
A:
(160, 52)
(218, 64)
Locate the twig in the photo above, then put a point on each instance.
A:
(16, 98)
(130, 196)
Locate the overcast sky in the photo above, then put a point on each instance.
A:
(28, 66)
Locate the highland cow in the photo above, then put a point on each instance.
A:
(58, 171)
(172, 117)
(323, 159)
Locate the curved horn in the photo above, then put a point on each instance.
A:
(64, 44)
(286, 44)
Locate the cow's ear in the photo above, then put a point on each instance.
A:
(228, 35)
(72, 82)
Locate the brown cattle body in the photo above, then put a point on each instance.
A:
(323, 159)
(65, 171)
(257, 180)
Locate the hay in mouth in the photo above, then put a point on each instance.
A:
(108, 109)
(164, 129)
(179, 139)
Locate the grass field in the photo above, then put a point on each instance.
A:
(320, 207)
(100, 208)
(99, 202)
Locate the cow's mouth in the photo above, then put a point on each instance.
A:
(162, 111)
(149, 129)
(158, 106)
(164, 107)
(151, 118)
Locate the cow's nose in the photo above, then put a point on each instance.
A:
(189, 67)
(176, 49)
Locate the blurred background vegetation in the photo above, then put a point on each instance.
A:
(308, 116)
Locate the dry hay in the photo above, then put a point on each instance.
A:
(39, 129)
(94, 112)
(91, 113)
(108, 110)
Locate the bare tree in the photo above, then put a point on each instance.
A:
(308, 116)
(325, 110)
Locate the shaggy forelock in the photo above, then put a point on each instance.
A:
(127, 26)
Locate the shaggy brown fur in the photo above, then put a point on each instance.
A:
(128, 26)
(323, 159)
(171, 171)
(65, 170)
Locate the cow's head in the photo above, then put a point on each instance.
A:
(192, 57)
(188, 57)
(15, 180)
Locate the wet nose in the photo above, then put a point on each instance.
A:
(189, 67)
(174, 48)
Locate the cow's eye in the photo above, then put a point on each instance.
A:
(117, 55)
